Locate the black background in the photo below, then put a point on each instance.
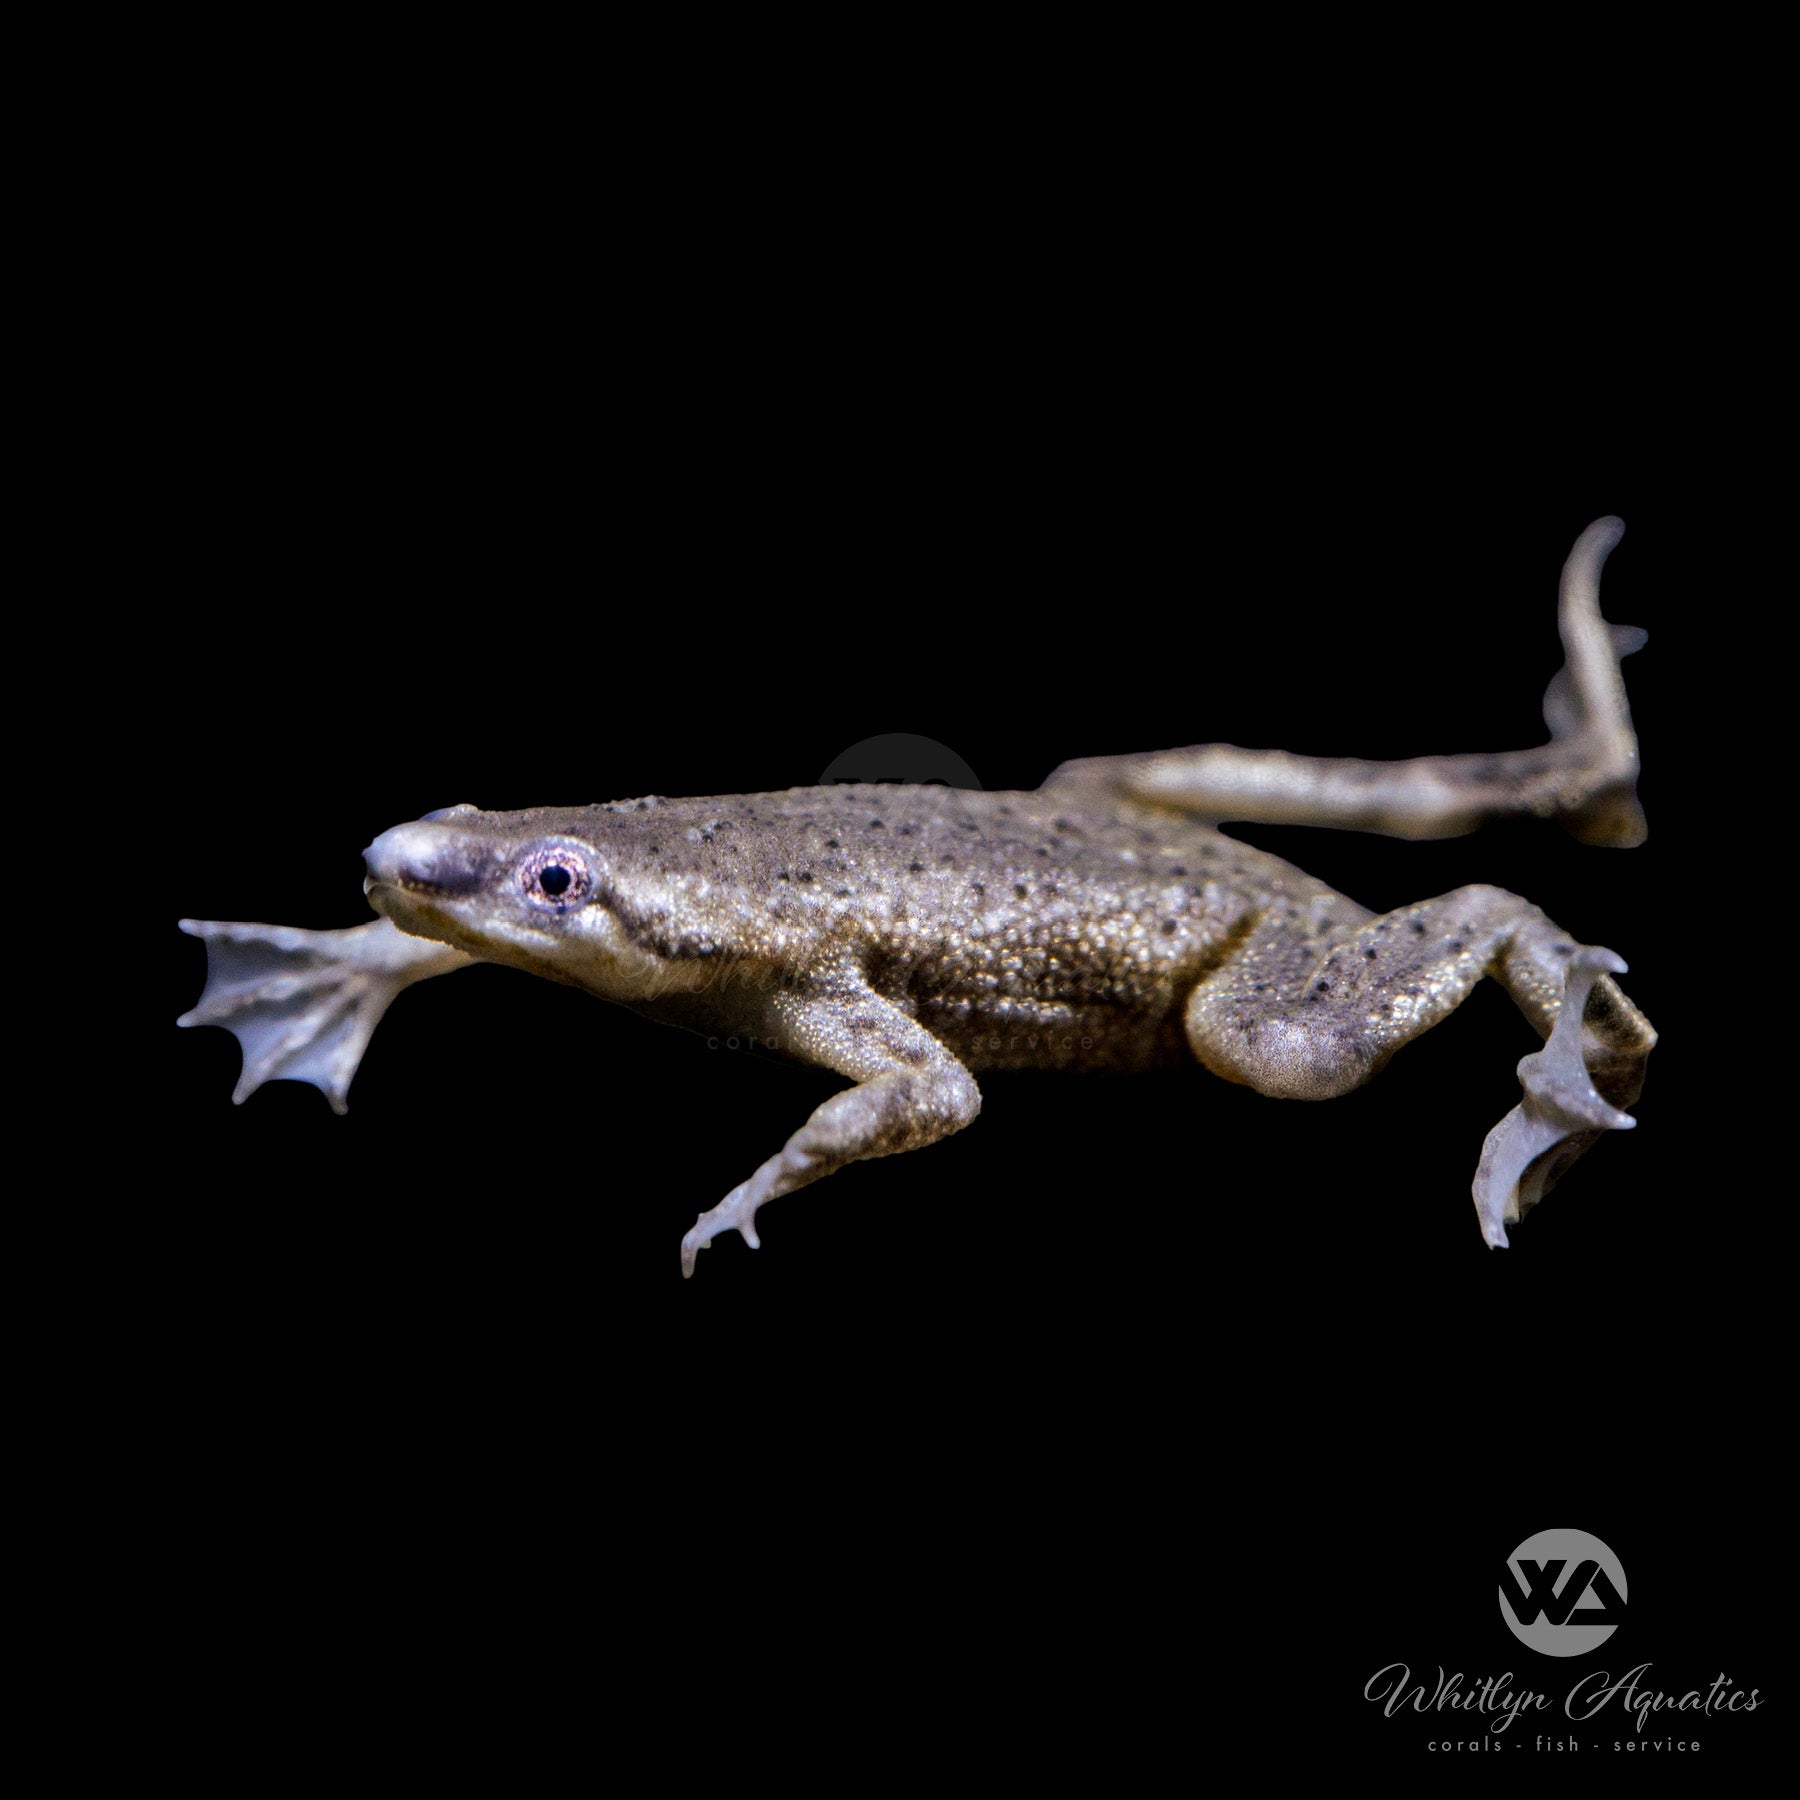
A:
(1143, 1411)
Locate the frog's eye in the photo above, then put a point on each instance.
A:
(555, 876)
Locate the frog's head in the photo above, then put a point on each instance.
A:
(526, 889)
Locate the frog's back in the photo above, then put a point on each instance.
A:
(1019, 928)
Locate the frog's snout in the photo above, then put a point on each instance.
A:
(425, 859)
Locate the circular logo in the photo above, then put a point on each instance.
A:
(904, 757)
(1562, 1593)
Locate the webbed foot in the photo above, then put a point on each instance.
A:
(303, 1004)
(1561, 1115)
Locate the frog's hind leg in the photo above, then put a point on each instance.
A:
(1586, 776)
(1310, 1008)
(303, 1004)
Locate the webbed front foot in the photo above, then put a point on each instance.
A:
(303, 1004)
(1561, 1115)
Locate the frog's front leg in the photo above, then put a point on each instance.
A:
(910, 1091)
(1312, 1004)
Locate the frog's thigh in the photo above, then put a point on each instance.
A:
(1306, 1016)
(909, 1092)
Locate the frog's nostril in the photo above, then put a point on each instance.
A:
(392, 856)
(424, 858)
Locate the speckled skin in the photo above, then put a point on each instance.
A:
(908, 937)
(1020, 930)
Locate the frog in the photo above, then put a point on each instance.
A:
(912, 937)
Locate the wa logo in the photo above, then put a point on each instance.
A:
(1563, 1593)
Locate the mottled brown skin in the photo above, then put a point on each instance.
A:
(907, 937)
(1021, 930)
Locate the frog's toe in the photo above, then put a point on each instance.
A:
(1560, 1116)
(736, 1212)
(301, 1004)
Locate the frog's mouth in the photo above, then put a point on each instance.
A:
(418, 912)
(424, 877)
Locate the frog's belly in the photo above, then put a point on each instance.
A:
(1010, 1033)
(1105, 997)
